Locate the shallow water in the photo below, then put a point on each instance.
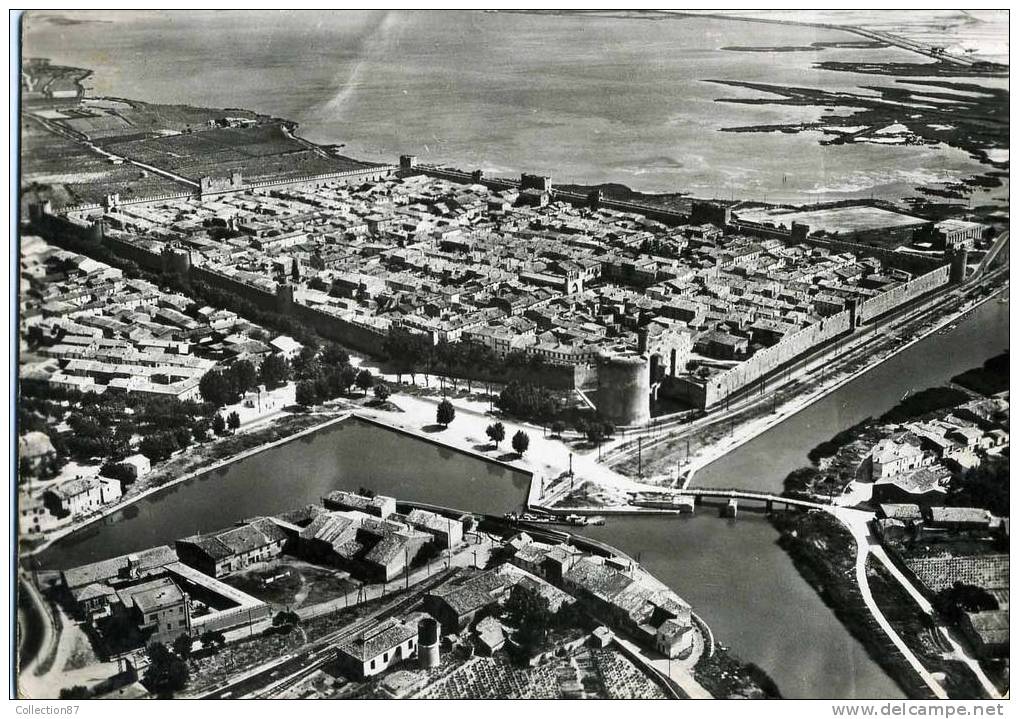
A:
(585, 99)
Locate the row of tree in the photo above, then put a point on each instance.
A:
(415, 354)
(497, 433)
(226, 386)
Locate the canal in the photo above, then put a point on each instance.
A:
(347, 455)
(764, 462)
(732, 572)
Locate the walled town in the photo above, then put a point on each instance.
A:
(617, 304)
(208, 277)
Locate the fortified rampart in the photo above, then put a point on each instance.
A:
(887, 301)
(212, 186)
(710, 392)
(624, 389)
(908, 262)
(771, 358)
(669, 217)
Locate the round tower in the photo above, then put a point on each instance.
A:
(176, 260)
(428, 643)
(624, 389)
(959, 259)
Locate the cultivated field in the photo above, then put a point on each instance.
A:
(75, 175)
(259, 152)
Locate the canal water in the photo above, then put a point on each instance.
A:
(733, 572)
(764, 462)
(348, 455)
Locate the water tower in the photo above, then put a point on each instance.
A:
(428, 643)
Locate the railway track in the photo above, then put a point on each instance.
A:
(289, 671)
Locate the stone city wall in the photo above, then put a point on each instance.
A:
(887, 301)
(771, 358)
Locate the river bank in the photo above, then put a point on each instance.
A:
(822, 549)
(823, 552)
(204, 464)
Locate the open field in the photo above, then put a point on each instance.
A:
(842, 220)
(76, 175)
(109, 118)
(291, 583)
(262, 151)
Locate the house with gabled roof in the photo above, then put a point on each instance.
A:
(228, 551)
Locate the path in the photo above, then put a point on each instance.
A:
(49, 635)
(678, 670)
(959, 652)
(856, 523)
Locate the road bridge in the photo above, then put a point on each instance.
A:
(769, 500)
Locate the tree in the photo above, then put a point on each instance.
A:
(218, 424)
(960, 598)
(167, 673)
(445, 413)
(335, 355)
(200, 430)
(496, 432)
(212, 641)
(985, 486)
(558, 427)
(801, 481)
(242, 376)
(76, 692)
(595, 433)
(530, 613)
(382, 392)
(125, 473)
(233, 421)
(521, 442)
(158, 446)
(347, 377)
(305, 365)
(274, 371)
(364, 381)
(183, 437)
(215, 388)
(527, 401)
(182, 646)
(306, 394)
(285, 621)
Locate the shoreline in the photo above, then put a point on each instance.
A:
(425, 437)
(218, 464)
(844, 599)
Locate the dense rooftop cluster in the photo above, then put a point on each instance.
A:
(465, 262)
(91, 328)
